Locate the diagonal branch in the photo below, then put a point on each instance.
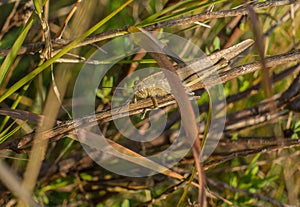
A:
(67, 127)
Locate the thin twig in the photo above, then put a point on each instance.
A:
(36, 47)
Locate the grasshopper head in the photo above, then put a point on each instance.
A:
(139, 90)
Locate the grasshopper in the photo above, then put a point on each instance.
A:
(156, 84)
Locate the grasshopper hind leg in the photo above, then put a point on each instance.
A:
(154, 101)
(155, 105)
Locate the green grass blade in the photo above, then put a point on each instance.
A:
(46, 64)
(38, 5)
(186, 189)
(191, 6)
(4, 136)
(153, 17)
(10, 58)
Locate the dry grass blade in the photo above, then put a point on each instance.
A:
(266, 80)
(189, 119)
(87, 137)
(13, 182)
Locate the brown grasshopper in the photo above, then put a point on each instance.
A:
(156, 84)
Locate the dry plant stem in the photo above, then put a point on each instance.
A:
(279, 145)
(234, 25)
(282, 102)
(275, 78)
(39, 147)
(36, 47)
(243, 153)
(63, 129)
(255, 119)
(11, 180)
(257, 141)
(188, 119)
(251, 67)
(81, 161)
(253, 89)
(71, 13)
(220, 14)
(266, 81)
(260, 114)
(290, 96)
(89, 137)
(59, 132)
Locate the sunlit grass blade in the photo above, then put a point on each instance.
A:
(10, 58)
(153, 17)
(4, 136)
(186, 189)
(37, 6)
(46, 64)
(189, 5)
